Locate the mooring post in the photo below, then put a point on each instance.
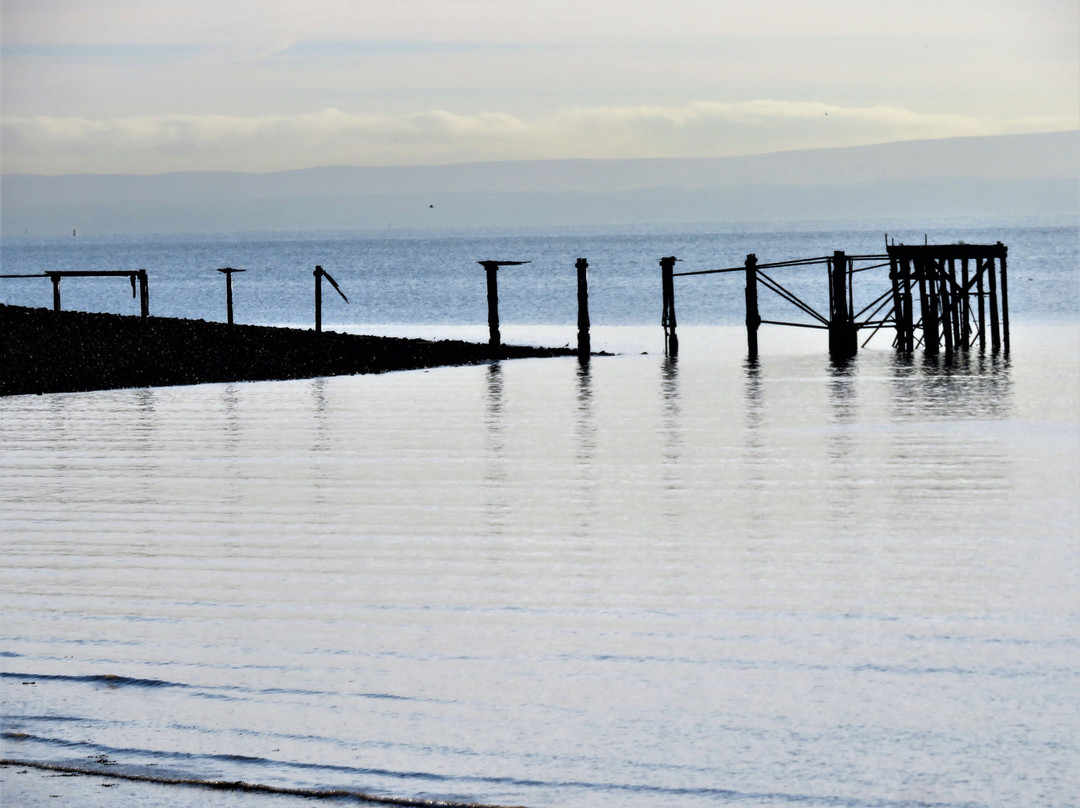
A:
(1004, 297)
(584, 344)
(228, 272)
(55, 278)
(843, 337)
(753, 316)
(667, 320)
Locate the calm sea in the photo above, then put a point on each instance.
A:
(636, 582)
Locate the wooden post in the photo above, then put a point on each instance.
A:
(1004, 298)
(319, 274)
(494, 337)
(965, 329)
(228, 296)
(980, 268)
(584, 344)
(899, 317)
(55, 278)
(995, 331)
(753, 317)
(909, 306)
(843, 336)
(927, 279)
(492, 269)
(228, 272)
(946, 307)
(667, 278)
(144, 294)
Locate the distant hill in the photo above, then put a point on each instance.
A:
(1012, 175)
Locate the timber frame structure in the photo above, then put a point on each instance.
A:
(946, 297)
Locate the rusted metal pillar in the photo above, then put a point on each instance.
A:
(843, 336)
(753, 317)
(667, 320)
(584, 343)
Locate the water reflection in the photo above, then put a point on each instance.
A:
(585, 433)
(669, 391)
(585, 423)
(497, 501)
(963, 385)
(843, 376)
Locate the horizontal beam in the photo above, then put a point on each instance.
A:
(948, 251)
(92, 274)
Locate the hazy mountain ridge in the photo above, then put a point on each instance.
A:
(1001, 175)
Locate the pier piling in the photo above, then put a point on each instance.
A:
(491, 268)
(319, 274)
(667, 319)
(228, 272)
(753, 317)
(584, 343)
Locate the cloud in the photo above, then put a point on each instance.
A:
(152, 144)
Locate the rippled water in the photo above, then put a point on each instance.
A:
(637, 583)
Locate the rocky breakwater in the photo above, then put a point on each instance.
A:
(42, 351)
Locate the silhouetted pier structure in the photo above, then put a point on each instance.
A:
(136, 276)
(961, 292)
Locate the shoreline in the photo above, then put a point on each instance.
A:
(42, 351)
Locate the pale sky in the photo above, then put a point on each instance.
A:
(145, 86)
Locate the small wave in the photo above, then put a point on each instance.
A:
(108, 679)
(225, 692)
(252, 788)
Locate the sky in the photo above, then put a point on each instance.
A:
(149, 86)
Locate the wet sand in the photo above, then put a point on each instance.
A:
(42, 351)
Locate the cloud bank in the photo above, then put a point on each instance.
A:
(162, 143)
